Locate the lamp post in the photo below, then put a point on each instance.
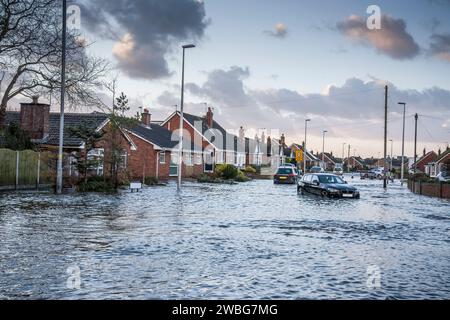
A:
(304, 146)
(59, 170)
(323, 148)
(180, 152)
(403, 143)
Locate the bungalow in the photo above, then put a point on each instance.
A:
(148, 148)
(441, 164)
(212, 139)
(311, 159)
(330, 162)
(420, 164)
(354, 163)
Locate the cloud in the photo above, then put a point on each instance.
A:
(352, 111)
(392, 39)
(224, 86)
(145, 31)
(440, 46)
(280, 31)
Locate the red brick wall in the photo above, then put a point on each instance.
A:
(174, 124)
(429, 158)
(35, 119)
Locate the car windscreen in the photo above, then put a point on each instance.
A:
(331, 180)
(284, 171)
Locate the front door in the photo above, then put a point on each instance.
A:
(209, 166)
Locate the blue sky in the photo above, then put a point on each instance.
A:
(259, 80)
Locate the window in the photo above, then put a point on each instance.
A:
(219, 156)
(162, 157)
(95, 158)
(198, 159)
(189, 159)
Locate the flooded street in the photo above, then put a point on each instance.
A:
(253, 240)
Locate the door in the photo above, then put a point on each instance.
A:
(209, 166)
(173, 168)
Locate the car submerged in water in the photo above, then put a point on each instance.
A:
(326, 185)
(286, 175)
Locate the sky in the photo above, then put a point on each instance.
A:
(269, 65)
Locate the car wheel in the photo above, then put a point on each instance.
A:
(324, 194)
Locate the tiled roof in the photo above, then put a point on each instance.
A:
(161, 137)
(443, 155)
(91, 120)
(228, 140)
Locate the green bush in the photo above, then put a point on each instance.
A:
(96, 184)
(250, 169)
(241, 177)
(150, 181)
(226, 171)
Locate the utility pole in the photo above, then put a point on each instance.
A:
(385, 134)
(343, 155)
(403, 142)
(59, 170)
(304, 146)
(416, 117)
(323, 149)
(392, 151)
(348, 159)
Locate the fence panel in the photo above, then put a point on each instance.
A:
(28, 167)
(7, 167)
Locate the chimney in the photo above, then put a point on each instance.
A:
(241, 133)
(146, 117)
(424, 151)
(35, 119)
(209, 118)
(283, 140)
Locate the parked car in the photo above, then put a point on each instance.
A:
(338, 171)
(316, 169)
(286, 175)
(327, 185)
(443, 176)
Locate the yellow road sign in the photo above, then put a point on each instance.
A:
(299, 155)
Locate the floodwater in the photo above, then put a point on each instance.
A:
(253, 240)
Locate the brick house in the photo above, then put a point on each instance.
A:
(354, 163)
(441, 164)
(148, 148)
(329, 160)
(210, 138)
(427, 158)
(311, 159)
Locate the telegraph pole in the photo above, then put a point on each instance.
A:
(416, 117)
(385, 133)
(403, 141)
(348, 159)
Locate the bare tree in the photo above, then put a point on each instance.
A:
(30, 55)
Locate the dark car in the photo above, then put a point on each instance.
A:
(286, 175)
(327, 185)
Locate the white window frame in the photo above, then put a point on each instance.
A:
(162, 157)
(198, 159)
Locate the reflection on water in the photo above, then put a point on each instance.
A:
(251, 241)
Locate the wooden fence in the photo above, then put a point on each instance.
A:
(26, 169)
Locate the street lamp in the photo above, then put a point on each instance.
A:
(59, 166)
(403, 142)
(323, 148)
(180, 152)
(304, 145)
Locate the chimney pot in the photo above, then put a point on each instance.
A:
(209, 118)
(146, 117)
(35, 119)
